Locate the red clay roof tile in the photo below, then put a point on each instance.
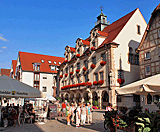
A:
(72, 49)
(5, 72)
(85, 42)
(14, 63)
(27, 60)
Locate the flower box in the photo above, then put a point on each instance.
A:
(62, 87)
(79, 84)
(95, 83)
(100, 82)
(93, 66)
(78, 55)
(102, 63)
(66, 61)
(120, 81)
(93, 48)
(66, 74)
(88, 84)
(60, 76)
(83, 84)
(74, 85)
(84, 69)
(71, 73)
(77, 71)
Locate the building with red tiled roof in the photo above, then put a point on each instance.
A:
(110, 48)
(37, 70)
(5, 72)
(13, 69)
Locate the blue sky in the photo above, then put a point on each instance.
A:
(47, 26)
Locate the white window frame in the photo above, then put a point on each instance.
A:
(45, 88)
(149, 70)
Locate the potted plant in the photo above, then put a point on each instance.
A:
(93, 48)
(100, 82)
(102, 63)
(77, 71)
(84, 68)
(95, 83)
(71, 73)
(78, 55)
(66, 74)
(93, 66)
(60, 76)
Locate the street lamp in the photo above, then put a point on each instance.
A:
(109, 76)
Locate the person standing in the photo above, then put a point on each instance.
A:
(109, 107)
(78, 113)
(68, 113)
(63, 109)
(89, 114)
(83, 114)
(72, 112)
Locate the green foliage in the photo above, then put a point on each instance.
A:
(57, 98)
(86, 101)
(95, 103)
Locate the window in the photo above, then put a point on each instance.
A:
(138, 29)
(159, 33)
(71, 69)
(44, 77)
(94, 60)
(101, 76)
(44, 89)
(96, 76)
(65, 82)
(36, 67)
(78, 80)
(131, 58)
(36, 84)
(149, 99)
(67, 70)
(36, 76)
(42, 61)
(61, 72)
(78, 51)
(72, 81)
(59, 63)
(78, 65)
(67, 57)
(137, 59)
(147, 70)
(55, 62)
(119, 98)
(53, 68)
(93, 43)
(147, 55)
(86, 63)
(103, 57)
(86, 78)
(136, 98)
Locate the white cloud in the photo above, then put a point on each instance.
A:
(4, 47)
(2, 38)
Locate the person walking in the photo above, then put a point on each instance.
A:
(72, 112)
(63, 109)
(83, 114)
(89, 114)
(68, 113)
(78, 113)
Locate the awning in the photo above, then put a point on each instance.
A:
(143, 87)
(10, 87)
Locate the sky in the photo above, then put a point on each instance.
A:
(47, 26)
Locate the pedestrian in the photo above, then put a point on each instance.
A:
(78, 113)
(72, 112)
(89, 114)
(63, 109)
(83, 114)
(68, 113)
(109, 107)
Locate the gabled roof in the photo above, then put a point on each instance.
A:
(27, 60)
(14, 63)
(5, 72)
(72, 49)
(86, 42)
(149, 25)
(114, 29)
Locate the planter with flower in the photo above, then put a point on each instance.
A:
(102, 63)
(66, 74)
(61, 76)
(100, 82)
(78, 55)
(77, 71)
(95, 83)
(93, 48)
(66, 61)
(120, 81)
(88, 84)
(93, 66)
(84, 69)
(71, 73)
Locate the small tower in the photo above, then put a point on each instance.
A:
(101, 21)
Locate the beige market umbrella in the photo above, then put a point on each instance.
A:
(143, 87)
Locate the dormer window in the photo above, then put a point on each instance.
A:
(138, 29)
(55, 62)
(36, 66)
(59, 63)
(49, 62)
(42, 61)
(53, 68)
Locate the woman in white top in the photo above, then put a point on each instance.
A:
(109, 107)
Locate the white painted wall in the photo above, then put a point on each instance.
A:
(28, 78)
(129, 37)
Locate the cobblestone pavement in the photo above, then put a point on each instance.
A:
(60, 125)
